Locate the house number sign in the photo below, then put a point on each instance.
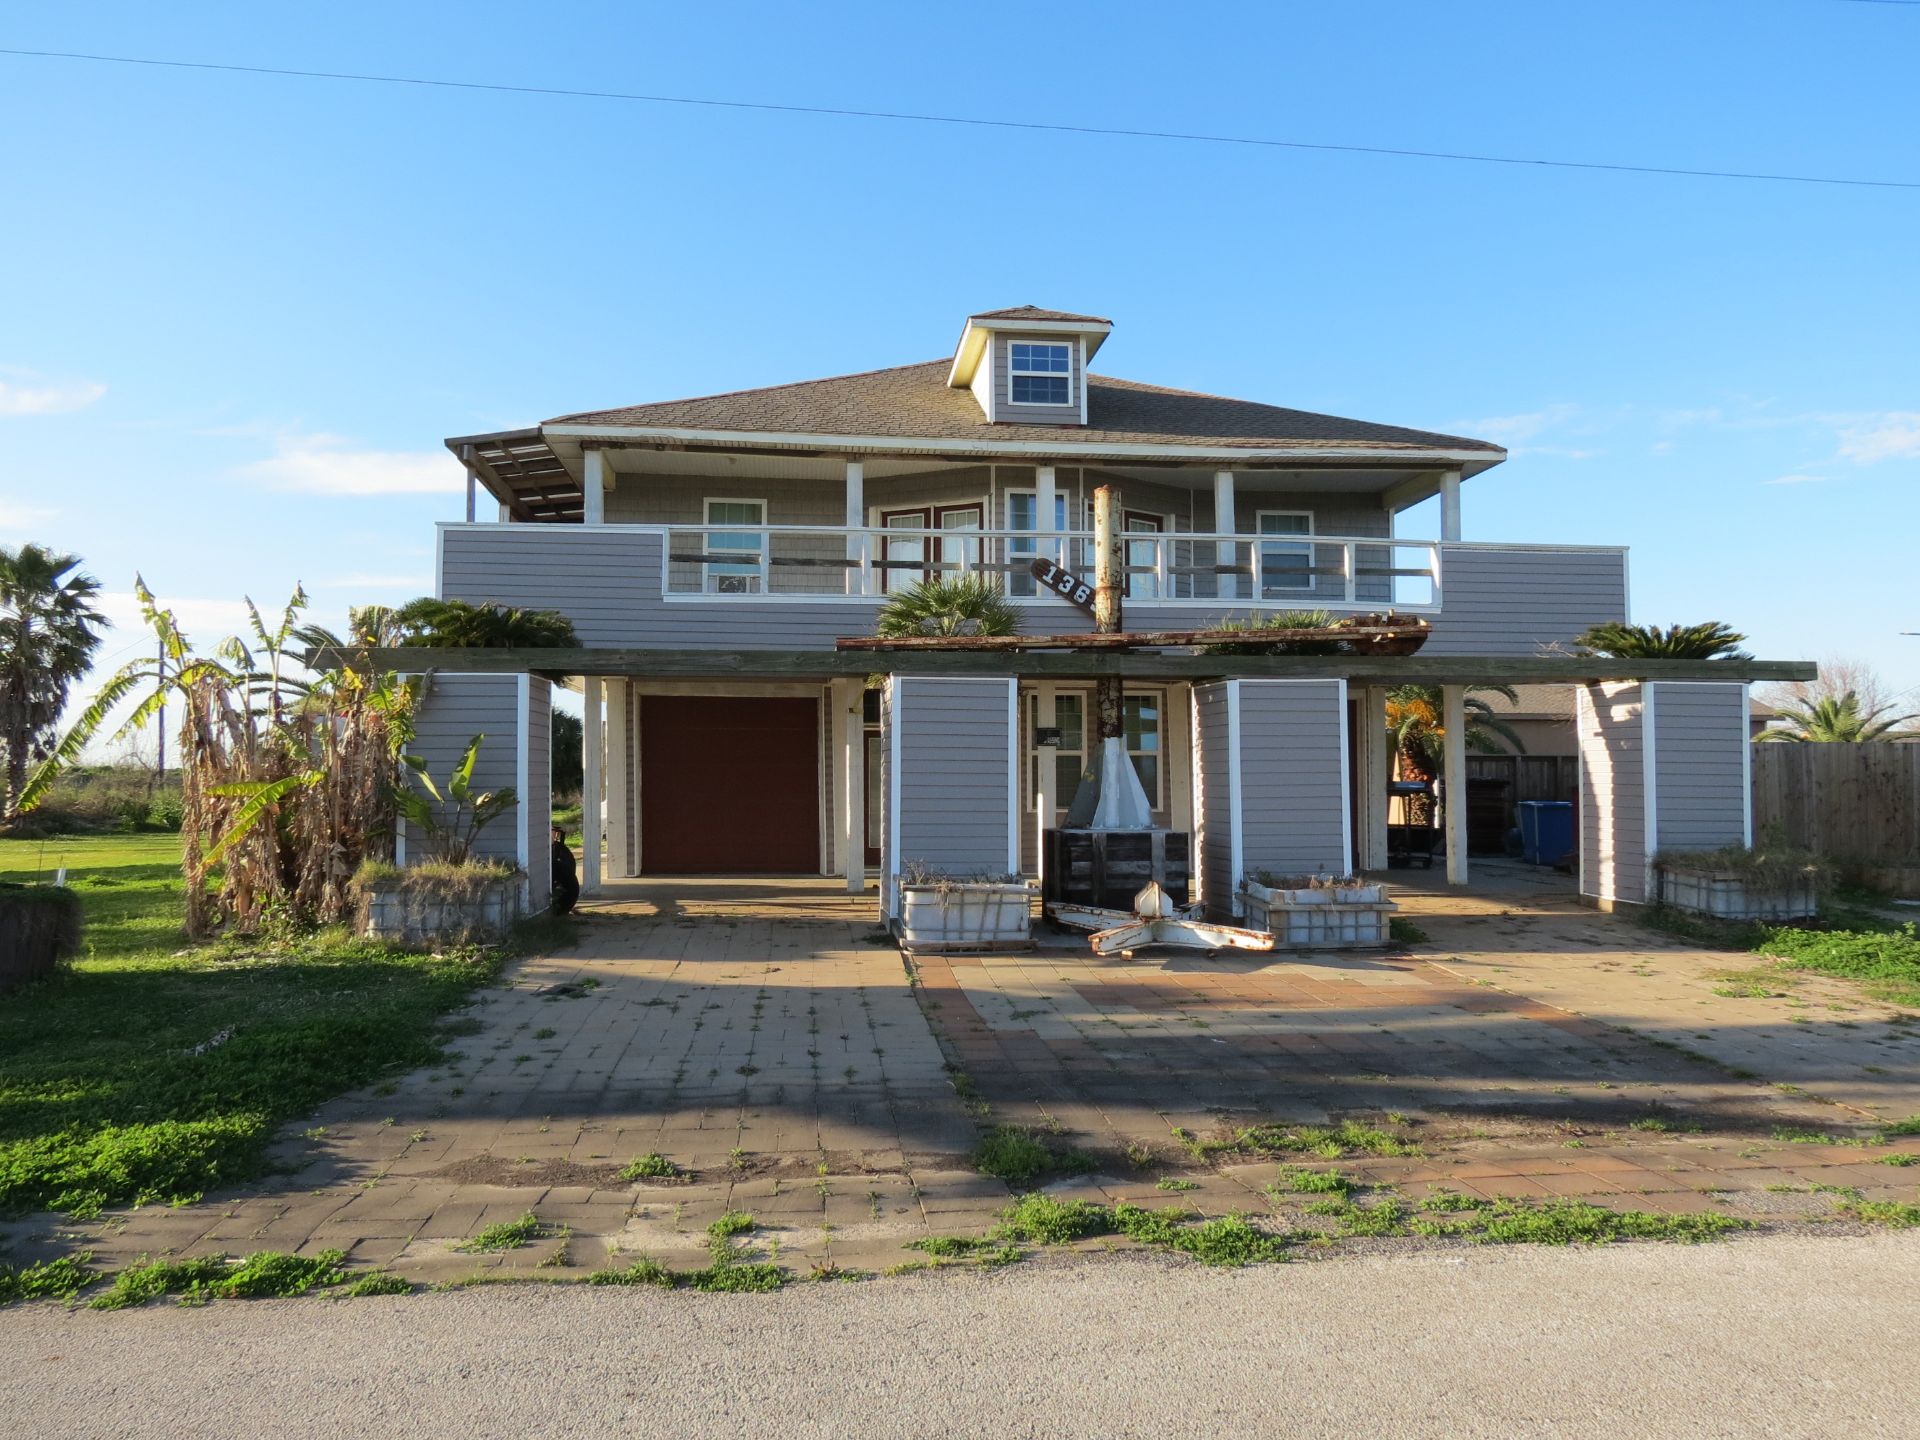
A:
(1064, 583)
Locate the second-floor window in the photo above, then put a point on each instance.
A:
(1040, 374)
(748, 574)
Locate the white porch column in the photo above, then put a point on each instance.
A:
(592, 798)
(1046, 797)
(1043, 508)
(596, 487)
(1376, 773)
(1449, 504)
(1453, 770)
(1226, 587)
(850, 844)
(619, 780)
(859, 543)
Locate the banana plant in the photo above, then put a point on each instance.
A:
(451, 819)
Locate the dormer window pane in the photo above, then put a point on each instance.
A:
(1040, 374)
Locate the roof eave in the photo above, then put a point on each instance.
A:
(1468, 462)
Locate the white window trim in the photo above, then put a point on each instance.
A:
(708, 577)
(1073, 394)
(1262, 538)
(1161, 800)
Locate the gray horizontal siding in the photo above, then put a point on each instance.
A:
(1293, 784)
(1213, 799)
(1512, 601)
(1699, 762)
(608, 581)
(454, 710)
(954, 741)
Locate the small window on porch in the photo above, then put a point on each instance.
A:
(748, 574)
(1039, 374)
(1285, 569)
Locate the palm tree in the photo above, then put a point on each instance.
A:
(47, 641)
(1416, 719)
(965, 605)
(1709, 640)
(428, 621)
(1837, 720)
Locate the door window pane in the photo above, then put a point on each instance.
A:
(1142, 721)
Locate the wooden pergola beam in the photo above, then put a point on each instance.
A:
(827, 664)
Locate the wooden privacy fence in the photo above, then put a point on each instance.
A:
(1858, 802)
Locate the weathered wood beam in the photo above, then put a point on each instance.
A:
(825, 664)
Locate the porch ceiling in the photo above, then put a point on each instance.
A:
(827, 665)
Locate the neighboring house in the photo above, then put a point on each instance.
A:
(710, 550)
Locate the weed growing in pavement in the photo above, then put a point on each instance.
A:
(1902, 1157)
(1046, 1220)
(1301, 1180)
(1895, 1214)
(1016, 1155)
(267, 1273)
(1405, 932)
(640, 1271)
(49, 1280)
(1228, 1240)
(652, 1166)
(1172, 1182)
(1908, 1126)
(507, 1235)
(379, 1282)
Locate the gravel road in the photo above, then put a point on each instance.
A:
(1767, 1337)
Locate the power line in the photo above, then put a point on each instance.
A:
(843, 112)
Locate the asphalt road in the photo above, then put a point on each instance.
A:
(1776, 1337)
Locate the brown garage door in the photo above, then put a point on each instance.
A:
(729, 785)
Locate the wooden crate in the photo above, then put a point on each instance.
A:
(1107, 868)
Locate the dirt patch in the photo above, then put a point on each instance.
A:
(492, 1170)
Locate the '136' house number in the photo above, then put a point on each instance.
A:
(1064, 583)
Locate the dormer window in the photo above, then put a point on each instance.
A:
(1040, 374)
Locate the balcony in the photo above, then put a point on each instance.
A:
(706, 587)
(777, 562)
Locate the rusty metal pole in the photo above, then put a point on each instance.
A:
(1110, 584)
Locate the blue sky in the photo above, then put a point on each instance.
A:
(238, 313)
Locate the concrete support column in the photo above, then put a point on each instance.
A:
(1453, 772)
(1227, 587)
(595, 485)
(619, 779)
(592, 792)
(1376, 773)
(859, 543)
(1450, 505)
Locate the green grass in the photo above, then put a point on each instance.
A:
(215, 1277)
(152, 1070)
(1886, 961)
(1303, 1181)
(1896, 1214)
(640, 1271)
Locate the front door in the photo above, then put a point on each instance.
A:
(1143, 555)
(941, 556)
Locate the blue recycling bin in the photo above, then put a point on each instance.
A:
(1546, 831)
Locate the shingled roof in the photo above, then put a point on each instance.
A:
(911, 402)
(1034, 312)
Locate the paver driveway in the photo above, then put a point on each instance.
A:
(764, 1038)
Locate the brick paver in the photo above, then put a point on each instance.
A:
(755, 1034)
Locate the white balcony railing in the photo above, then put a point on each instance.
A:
(1275, 571)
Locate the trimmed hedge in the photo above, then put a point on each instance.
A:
(39, 927)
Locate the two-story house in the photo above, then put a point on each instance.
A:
(709, 551)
